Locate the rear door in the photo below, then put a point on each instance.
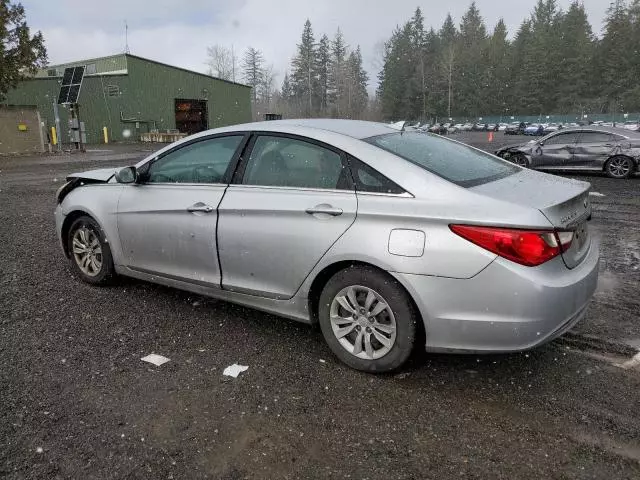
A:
(554, 151)
(593, 149)
(290, 201)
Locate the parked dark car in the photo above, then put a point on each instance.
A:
(440, 129)
(614, 151)
(515, 128)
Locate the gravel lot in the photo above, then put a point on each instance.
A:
(76, 401)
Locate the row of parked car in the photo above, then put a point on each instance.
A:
(516, 128)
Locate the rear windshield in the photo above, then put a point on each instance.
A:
(450, 160)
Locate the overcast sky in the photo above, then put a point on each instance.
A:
(178, 32)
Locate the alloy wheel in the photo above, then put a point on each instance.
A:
(619, 167)
(363, 322)
(520, 160)
(87, 251)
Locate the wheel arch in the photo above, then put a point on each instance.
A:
(68, 221)
(323, 276)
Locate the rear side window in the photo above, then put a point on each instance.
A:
(594, 137)
(455, 162)
(369, 180)
(289, 162)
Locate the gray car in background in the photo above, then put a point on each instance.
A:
(384, 237)
(613, 151)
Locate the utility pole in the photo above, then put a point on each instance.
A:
(233, 64)
(309, 78)
(450, 73)
(126, 37)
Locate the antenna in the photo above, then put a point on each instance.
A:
(126, 37)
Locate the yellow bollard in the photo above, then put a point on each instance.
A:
(106, 134)
(54, 137)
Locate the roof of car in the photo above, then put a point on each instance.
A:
(352, 128)
(595, 128)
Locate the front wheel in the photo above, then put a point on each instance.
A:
(619, 167)
(368, 320)
(519, 159)
(89, 252)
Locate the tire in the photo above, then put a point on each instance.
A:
(89, 252)
(519, 159)
(619, 167)
(397, 322)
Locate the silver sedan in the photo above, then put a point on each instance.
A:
(383, 236)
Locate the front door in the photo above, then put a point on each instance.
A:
(167, 222)
(291, 200)
(554, 151)
(593, 149)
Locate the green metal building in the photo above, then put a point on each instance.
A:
(131, 95)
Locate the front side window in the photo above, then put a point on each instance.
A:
(562, 139)
(201, 162)
(289, 162)
(453, 161)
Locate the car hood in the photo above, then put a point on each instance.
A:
(521, 147)
(99, 175)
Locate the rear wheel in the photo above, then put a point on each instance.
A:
(619, 167)
(367, 319)
(89, 252)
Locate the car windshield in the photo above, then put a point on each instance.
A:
(458, 163)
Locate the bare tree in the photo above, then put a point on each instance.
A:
(221, 62)
(266, 87)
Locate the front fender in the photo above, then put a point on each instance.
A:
(100, 201)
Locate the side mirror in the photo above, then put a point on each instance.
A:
(126, 175)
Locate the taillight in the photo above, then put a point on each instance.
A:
(526, 247)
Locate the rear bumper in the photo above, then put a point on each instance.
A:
(506, 307)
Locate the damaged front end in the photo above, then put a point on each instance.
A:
(103, 175)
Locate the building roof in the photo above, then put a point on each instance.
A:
(114, 65)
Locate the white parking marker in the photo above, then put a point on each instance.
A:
(234, 370)
(597, 194)
(157, 360)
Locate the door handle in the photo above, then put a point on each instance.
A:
(324, 208)
(200, 207)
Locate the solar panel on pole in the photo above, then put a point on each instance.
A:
(71, 83)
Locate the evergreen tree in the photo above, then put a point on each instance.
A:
(615, 62)
(497, 72)
(336, 80)
(356, 88)
(575, 47)
(304, 72)
(252, 71)
(324, 68)
(471, 65)
(21, 54)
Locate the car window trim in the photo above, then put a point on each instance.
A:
(554, 135)
(404, 193)
(238, 176)
(226, 178)
(582, 133)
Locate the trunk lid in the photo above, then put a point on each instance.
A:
(564, 202)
